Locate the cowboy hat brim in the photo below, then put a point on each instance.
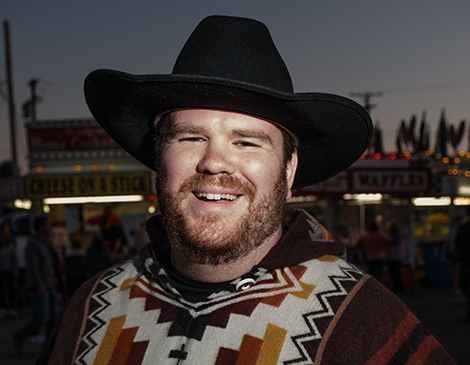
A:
(333, 131)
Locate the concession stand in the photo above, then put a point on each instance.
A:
(372, 189)
(75, 168)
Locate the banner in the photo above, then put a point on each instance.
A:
(83, 135)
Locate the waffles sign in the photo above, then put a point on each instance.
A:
(367, 180)
(46, 186)
(391, 181)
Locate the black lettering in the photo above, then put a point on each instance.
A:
(40, 190)
(420, 180)
(103, 187)
(86, 186)
(384, 180)
(71, 186)
(375, 181)
(125, 184)
(33, 186)
(364, 179)
(55, 186)
(140, 184)
(81, 186)
(114, 184)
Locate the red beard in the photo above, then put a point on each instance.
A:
(218, 239)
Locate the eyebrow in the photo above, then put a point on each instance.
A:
(180, 129)
(249, 133)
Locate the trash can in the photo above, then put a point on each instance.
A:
(437, 271)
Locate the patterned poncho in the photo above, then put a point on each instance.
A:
(303, 304)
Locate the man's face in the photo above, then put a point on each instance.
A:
(223, 184)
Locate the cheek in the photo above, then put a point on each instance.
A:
(262, 173)
(178, 167)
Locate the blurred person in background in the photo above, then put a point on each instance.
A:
(375, 246)
(97, 257)
(396, 254)
(6, 230)
(8, 274)
(60, 268)
(111, 229)
(41, 285)
(450, 254)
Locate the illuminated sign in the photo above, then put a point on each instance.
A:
(46, 186)
(393, 181)
(397, 181)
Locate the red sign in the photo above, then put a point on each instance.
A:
(11, 188)
(68, 136)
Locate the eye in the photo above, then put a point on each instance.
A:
(191, 139)
(246, 144)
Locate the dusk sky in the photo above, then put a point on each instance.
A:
(416, 53)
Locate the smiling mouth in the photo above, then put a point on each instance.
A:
(216, 197)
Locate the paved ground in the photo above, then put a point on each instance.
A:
(8, 355)
(434, 307)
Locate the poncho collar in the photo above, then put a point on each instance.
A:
(304, 240)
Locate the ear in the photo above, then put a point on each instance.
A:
(291, 169)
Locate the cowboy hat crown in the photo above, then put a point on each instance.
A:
(245, 53)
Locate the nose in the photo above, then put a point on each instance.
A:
(216, 159)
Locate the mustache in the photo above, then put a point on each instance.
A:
(222, 181)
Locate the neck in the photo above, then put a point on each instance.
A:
(208, 273)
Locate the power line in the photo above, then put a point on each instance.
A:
(366, 96)
(447, 86)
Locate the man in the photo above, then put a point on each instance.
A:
(220, 283)
(110, 227)
(374, 245)
(40, 285)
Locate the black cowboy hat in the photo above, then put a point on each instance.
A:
(231, 63)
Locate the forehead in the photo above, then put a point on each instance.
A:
(223, 121)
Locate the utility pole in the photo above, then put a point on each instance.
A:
(34, 98)
(376, 138)
(11, 101)
(366, 96)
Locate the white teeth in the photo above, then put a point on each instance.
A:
(210, 196)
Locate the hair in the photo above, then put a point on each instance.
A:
(5, 223)
(393, 228)
(162, 126)
(39, 222)
(290, 145)
(373, 227)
